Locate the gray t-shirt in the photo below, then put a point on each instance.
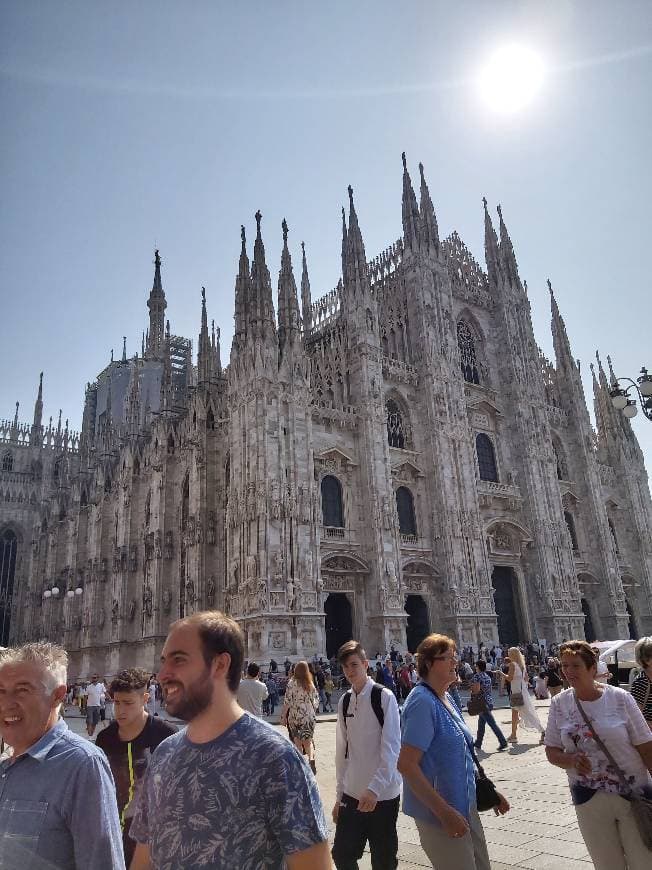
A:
(239, 802)
(251, 694)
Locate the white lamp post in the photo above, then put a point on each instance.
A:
(620, 397)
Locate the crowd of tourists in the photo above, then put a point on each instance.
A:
(230, 791)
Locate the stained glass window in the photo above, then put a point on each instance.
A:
(486, 458)
(468, 357)
(331, 502)
(407, 522)
(396, 434)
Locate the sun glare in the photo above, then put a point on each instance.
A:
(511, 78)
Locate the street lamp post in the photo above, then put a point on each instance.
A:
(623, 401)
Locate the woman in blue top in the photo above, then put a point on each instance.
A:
(437, 765)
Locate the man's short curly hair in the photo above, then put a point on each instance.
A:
(130, 680)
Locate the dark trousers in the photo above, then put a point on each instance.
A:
(355, 828)
(488, 719)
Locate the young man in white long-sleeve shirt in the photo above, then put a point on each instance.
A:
(367, 747)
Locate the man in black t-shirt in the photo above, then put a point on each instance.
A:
(128, 743)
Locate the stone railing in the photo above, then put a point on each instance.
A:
(501, 490)
(16, 477)
(400, 370)
(336, 535)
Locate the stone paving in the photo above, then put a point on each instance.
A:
(539, 832)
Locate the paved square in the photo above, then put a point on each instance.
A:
(540, 831)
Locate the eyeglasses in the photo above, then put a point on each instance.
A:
(451, 658)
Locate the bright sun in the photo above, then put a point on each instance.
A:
(511, 78)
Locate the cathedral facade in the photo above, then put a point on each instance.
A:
(394, 458)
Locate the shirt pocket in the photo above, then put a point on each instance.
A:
(21, 823)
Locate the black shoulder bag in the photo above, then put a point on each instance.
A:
(641, 806)
(486, 796)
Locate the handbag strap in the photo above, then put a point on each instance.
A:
(468, 742)
(598, 740)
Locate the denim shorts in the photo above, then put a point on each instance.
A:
(92, 715)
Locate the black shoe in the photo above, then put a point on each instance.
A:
(503, 747)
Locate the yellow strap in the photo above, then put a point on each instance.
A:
(132, 782)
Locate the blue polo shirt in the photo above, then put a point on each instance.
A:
(447, 764)
(58, 808)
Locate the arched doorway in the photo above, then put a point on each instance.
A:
(589, 631)
(633, 633)
(418, 624)
(502, 580)
(339, 622)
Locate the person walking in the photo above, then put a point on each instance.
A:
(598, 735)
(481, 685)
(128, 743)
(272, 693)
(437, 765)
(329, 688)
(367, 745)
(94, 693)
(642, 686)
(300, 706)
(252, 692)
(228, 790)
(553, 675)
(523, 710)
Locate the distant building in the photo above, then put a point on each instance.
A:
(394, 458)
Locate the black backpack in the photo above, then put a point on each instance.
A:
(376, 706)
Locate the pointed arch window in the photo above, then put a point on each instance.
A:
(570, 525)
(407, 522)
(8, 549)
(8, 461)
(560, 459)
(332, 506)
(210, 419)
(486, 458)
(396, 426)
(468, 354)
(613, 534)
(185, 502)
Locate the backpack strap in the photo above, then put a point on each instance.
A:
(376, 703)
(346, 700)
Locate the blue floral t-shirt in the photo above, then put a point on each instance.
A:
(239, 802)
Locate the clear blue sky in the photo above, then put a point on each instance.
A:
(130, 124)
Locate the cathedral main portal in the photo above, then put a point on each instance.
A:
(503, 581)
(418, 623)
(339, 622)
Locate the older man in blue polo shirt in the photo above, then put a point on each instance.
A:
(58, 806)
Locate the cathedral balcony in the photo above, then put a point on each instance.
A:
(414, 542)
(394, 369)
(334, 535)
(489, 491)
(475, 393)
(16, 477)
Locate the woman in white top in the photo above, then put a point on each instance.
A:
(521, 703)
(599, 794)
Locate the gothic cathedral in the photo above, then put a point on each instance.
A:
(395, 458)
